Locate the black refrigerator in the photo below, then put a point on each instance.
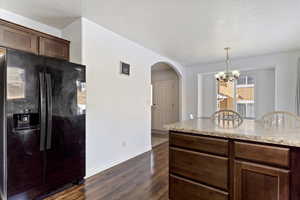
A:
(42, 123)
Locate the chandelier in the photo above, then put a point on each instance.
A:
(227, 75)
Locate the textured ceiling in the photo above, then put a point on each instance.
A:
(189, 31)
(57, 13)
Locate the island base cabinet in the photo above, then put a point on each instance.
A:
(183, 189)
(259, 182)
(201, 167)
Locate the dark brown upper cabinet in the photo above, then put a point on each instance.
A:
(18, 38)
(54, 48)
(21, 38)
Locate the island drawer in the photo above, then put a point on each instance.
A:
(207, 169)
(267, 154)
(182, 189)
(199, 143)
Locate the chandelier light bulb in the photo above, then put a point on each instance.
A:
(227, 75)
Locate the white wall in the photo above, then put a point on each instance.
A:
(118, 112)
(18, 19)
(285, 65)
(73, 33)
(264, 91)
(206, 95)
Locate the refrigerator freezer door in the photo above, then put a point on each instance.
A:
(66, 150)
(24, 158)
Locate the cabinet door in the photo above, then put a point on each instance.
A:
(54, 48)
(259, 182)
(18, 39)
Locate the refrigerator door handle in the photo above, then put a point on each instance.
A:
(49, 111)
(42, 111)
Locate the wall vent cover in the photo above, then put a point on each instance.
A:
(125, 68)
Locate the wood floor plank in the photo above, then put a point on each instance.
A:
(144, 177)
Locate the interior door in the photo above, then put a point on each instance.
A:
(165, 103)
(66, 96)
(24, 155)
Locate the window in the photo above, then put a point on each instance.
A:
(246, 110)
(241, 108)
(242, 80)
(245, 80)
(238, 96)
(225, 96)
(250, 80)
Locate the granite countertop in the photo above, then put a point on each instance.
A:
(250, 130)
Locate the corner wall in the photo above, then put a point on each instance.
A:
(73, 33)
(118, 111)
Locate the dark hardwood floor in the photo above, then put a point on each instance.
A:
(142, 178)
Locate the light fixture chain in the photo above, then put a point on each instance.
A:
(227, 59)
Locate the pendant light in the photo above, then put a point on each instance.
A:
(227, 75)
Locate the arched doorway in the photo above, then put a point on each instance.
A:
(165, 108)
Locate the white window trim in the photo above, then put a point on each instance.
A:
(245, 85)
(245, 102)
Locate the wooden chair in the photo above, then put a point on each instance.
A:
(227, 119)
(281, 119)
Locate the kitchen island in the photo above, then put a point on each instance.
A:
(250, 162)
